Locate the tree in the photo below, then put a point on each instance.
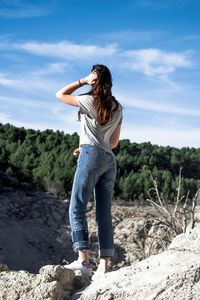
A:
(46, 156)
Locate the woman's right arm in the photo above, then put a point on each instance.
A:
(64, 94)
(115, 137)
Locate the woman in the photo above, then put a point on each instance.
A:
(101, 116)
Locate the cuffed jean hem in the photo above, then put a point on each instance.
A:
(106, 253)
(80, 246)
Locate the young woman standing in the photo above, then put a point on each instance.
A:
(101, 117)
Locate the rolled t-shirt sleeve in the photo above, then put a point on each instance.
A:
(85, 103)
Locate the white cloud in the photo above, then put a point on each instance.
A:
(165, 5)
(151, 62)
(3, 43)
(176, 137)
(39, 80)
(156, 63)
(26, 124)
(55, 108)
(23, 13)
(65, 125)
(157, 106)
(51, 69)
(12, 101)
(133, 36)
(29, 83)
(6, 81)
(67, 50)
(5, 118)
(38, 114)
(20, 9)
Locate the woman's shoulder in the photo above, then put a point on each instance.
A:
(85, 97)
(85, 100)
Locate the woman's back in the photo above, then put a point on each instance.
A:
(93, 133)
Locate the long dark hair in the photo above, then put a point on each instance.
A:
(101, 91)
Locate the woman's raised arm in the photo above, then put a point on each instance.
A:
(64, 94)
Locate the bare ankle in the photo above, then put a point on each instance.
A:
(83, 256)
(103, 265)
(102, 269)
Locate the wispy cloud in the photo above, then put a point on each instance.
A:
(5, 118)
(155, 62)
(51, 69)
(190, 37)
(134, 36)
(31, 103)
(161, 5)
(44, 114)
(152, 62)
(29, 83)
(157, 106)
(21, 9)
(166, 136)
(6, 81)
(61, 56)
(67, 50)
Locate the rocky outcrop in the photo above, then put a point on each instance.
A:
(35, 241)
(173, 274)
(52, 283)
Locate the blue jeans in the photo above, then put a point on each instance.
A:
(96, 171)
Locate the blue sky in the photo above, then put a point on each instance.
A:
(151, 47)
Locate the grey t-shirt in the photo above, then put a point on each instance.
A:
(91, 132)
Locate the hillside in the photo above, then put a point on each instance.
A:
(44, 158)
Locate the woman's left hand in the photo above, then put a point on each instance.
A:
(77, 152)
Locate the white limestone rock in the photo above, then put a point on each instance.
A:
(189, 241)
(64, 276)
(173, 274)
(52, 283)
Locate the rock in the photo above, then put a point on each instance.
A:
(81, 280)
(3, 267)
(54, 282)
(64, 276)
(14, 285)
(189, 241)
(51, 291)
(173, 274)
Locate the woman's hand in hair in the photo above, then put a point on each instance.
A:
(91, 78)
(64, 94)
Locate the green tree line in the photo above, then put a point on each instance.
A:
(44, 158)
